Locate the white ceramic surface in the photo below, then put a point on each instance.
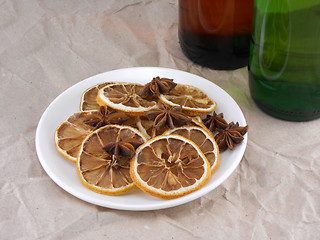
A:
(63, 172)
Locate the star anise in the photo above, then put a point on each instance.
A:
(230, 136)
(157, 86)
(106, 117)
(212, 122)
(124, 148)
(170, 117)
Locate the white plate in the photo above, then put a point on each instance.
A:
(63, 172)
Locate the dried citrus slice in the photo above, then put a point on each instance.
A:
(147, 127)
(169, 166)
(70, 133)
(101, 171)
(204, 140)
(125, 97)
(194, 101)
(89, 97)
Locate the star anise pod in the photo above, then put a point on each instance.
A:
(125, 148)
(212, 122)
(106, 117)
(230, 136)
(165, 116)
(157, 86)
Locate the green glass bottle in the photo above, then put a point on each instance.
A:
(284, 63)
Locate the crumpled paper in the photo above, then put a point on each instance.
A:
(47, 46)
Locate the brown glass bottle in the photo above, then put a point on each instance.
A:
(216, 33)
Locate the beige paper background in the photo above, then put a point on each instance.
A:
(47, 46)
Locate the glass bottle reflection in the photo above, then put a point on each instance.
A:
(284, 64)
(216, 33)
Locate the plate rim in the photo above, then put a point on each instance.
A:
(157, 205)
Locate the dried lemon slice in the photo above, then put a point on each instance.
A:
(88, 99)
(169, 166)
(125, 97)
(70, 133)
(193, 101)
(204, 140)
(101, 171)
(147, 127)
